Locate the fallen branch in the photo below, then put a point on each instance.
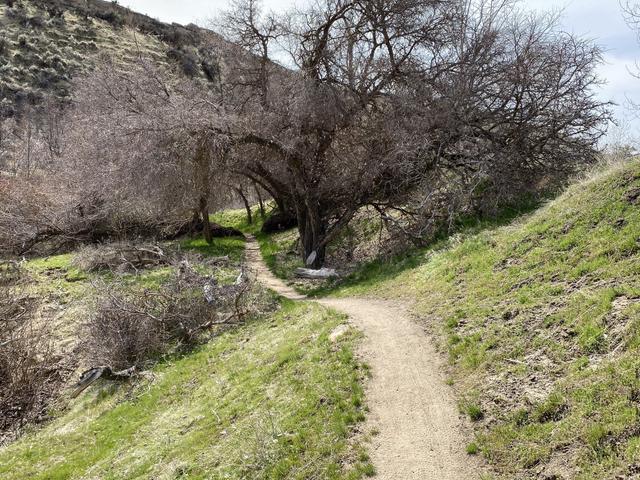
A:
(322, 274)
(89, 377)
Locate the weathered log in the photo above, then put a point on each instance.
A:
(92, 375)
(120, 256)
(321, 274)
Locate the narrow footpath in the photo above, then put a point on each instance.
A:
(412, 409)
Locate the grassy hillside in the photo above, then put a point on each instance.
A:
(274, 399)
(541, 322)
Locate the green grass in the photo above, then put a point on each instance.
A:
(273, 399)
(474, 412)
(233, 247)
(238, 219)
(540, 318)
(278, 250)
(56, 275)
(368, 275)
(269, 400)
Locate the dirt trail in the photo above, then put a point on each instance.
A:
(410, 405)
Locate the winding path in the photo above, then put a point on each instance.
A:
(410, 405)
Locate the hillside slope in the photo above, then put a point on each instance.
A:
(273, 399)
(541, 323)
(45, 44)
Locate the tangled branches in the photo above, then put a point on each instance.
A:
(136, 329)
(30, 373)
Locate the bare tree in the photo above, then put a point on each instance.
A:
(245, 24)
(325, 154)
(419, 106)
(390, 94)
(258, 192)
(140, 155)
(240, 190)
(155, 138)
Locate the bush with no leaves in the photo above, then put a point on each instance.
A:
(135, 329)
(186, 58)
(120, 334)
(30, 373)
(114, 18)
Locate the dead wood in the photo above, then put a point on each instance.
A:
(321, 274)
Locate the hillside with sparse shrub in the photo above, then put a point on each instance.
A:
(44, 45)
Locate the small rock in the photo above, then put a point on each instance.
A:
(338, 332)
(323, 273)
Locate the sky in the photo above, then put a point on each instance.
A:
(599, 20)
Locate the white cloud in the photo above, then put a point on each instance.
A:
(618, 74)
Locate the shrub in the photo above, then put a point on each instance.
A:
(187, 60)
(19, 15)
(90, 46)
(37, 21)
(29, 370)
(211, 69)
(121, 335)
(4, 46)
(134, 329)
(23, 41)
(111, 17)
(175, 35)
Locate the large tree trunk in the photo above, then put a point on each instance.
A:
(206, 223)
(312, 229)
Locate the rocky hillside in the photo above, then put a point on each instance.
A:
(44, 44)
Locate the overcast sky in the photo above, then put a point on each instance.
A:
(600, 20)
